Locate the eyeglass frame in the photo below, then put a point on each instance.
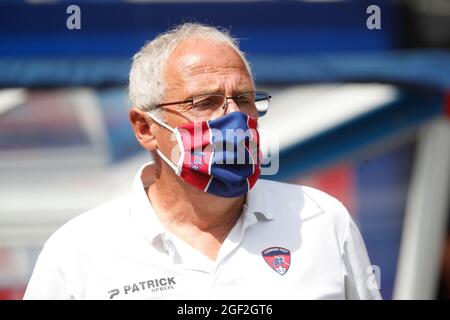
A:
(212, 94)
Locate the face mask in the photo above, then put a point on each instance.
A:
(219, 156)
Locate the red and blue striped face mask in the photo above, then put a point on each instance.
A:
(220, 156)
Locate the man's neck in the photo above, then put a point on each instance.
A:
(199, 218)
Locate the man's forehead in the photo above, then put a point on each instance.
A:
(195, 56)
(208, 65)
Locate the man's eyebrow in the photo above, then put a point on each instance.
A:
(218, 90)
(243, 89)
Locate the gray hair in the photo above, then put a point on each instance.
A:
(146, 83)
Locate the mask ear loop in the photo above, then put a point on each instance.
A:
(177, 168)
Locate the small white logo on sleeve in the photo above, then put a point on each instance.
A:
(373, 280)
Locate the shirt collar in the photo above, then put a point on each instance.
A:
(257, 202)
(141, 211)
(146, 221)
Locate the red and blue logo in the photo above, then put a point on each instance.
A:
(279, 259)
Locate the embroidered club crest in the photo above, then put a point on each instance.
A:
(279, 259)
(197, 160)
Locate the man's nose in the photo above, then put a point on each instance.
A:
(231, 106)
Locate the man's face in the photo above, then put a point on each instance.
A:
(196, 67)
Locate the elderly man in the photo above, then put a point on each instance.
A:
(198, 224)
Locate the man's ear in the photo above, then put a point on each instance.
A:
(142, 126)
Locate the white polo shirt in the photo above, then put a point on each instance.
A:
(291, 242)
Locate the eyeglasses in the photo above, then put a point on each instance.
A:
(211, 106)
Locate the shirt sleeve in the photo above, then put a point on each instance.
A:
(360, 276)
(47, 281)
